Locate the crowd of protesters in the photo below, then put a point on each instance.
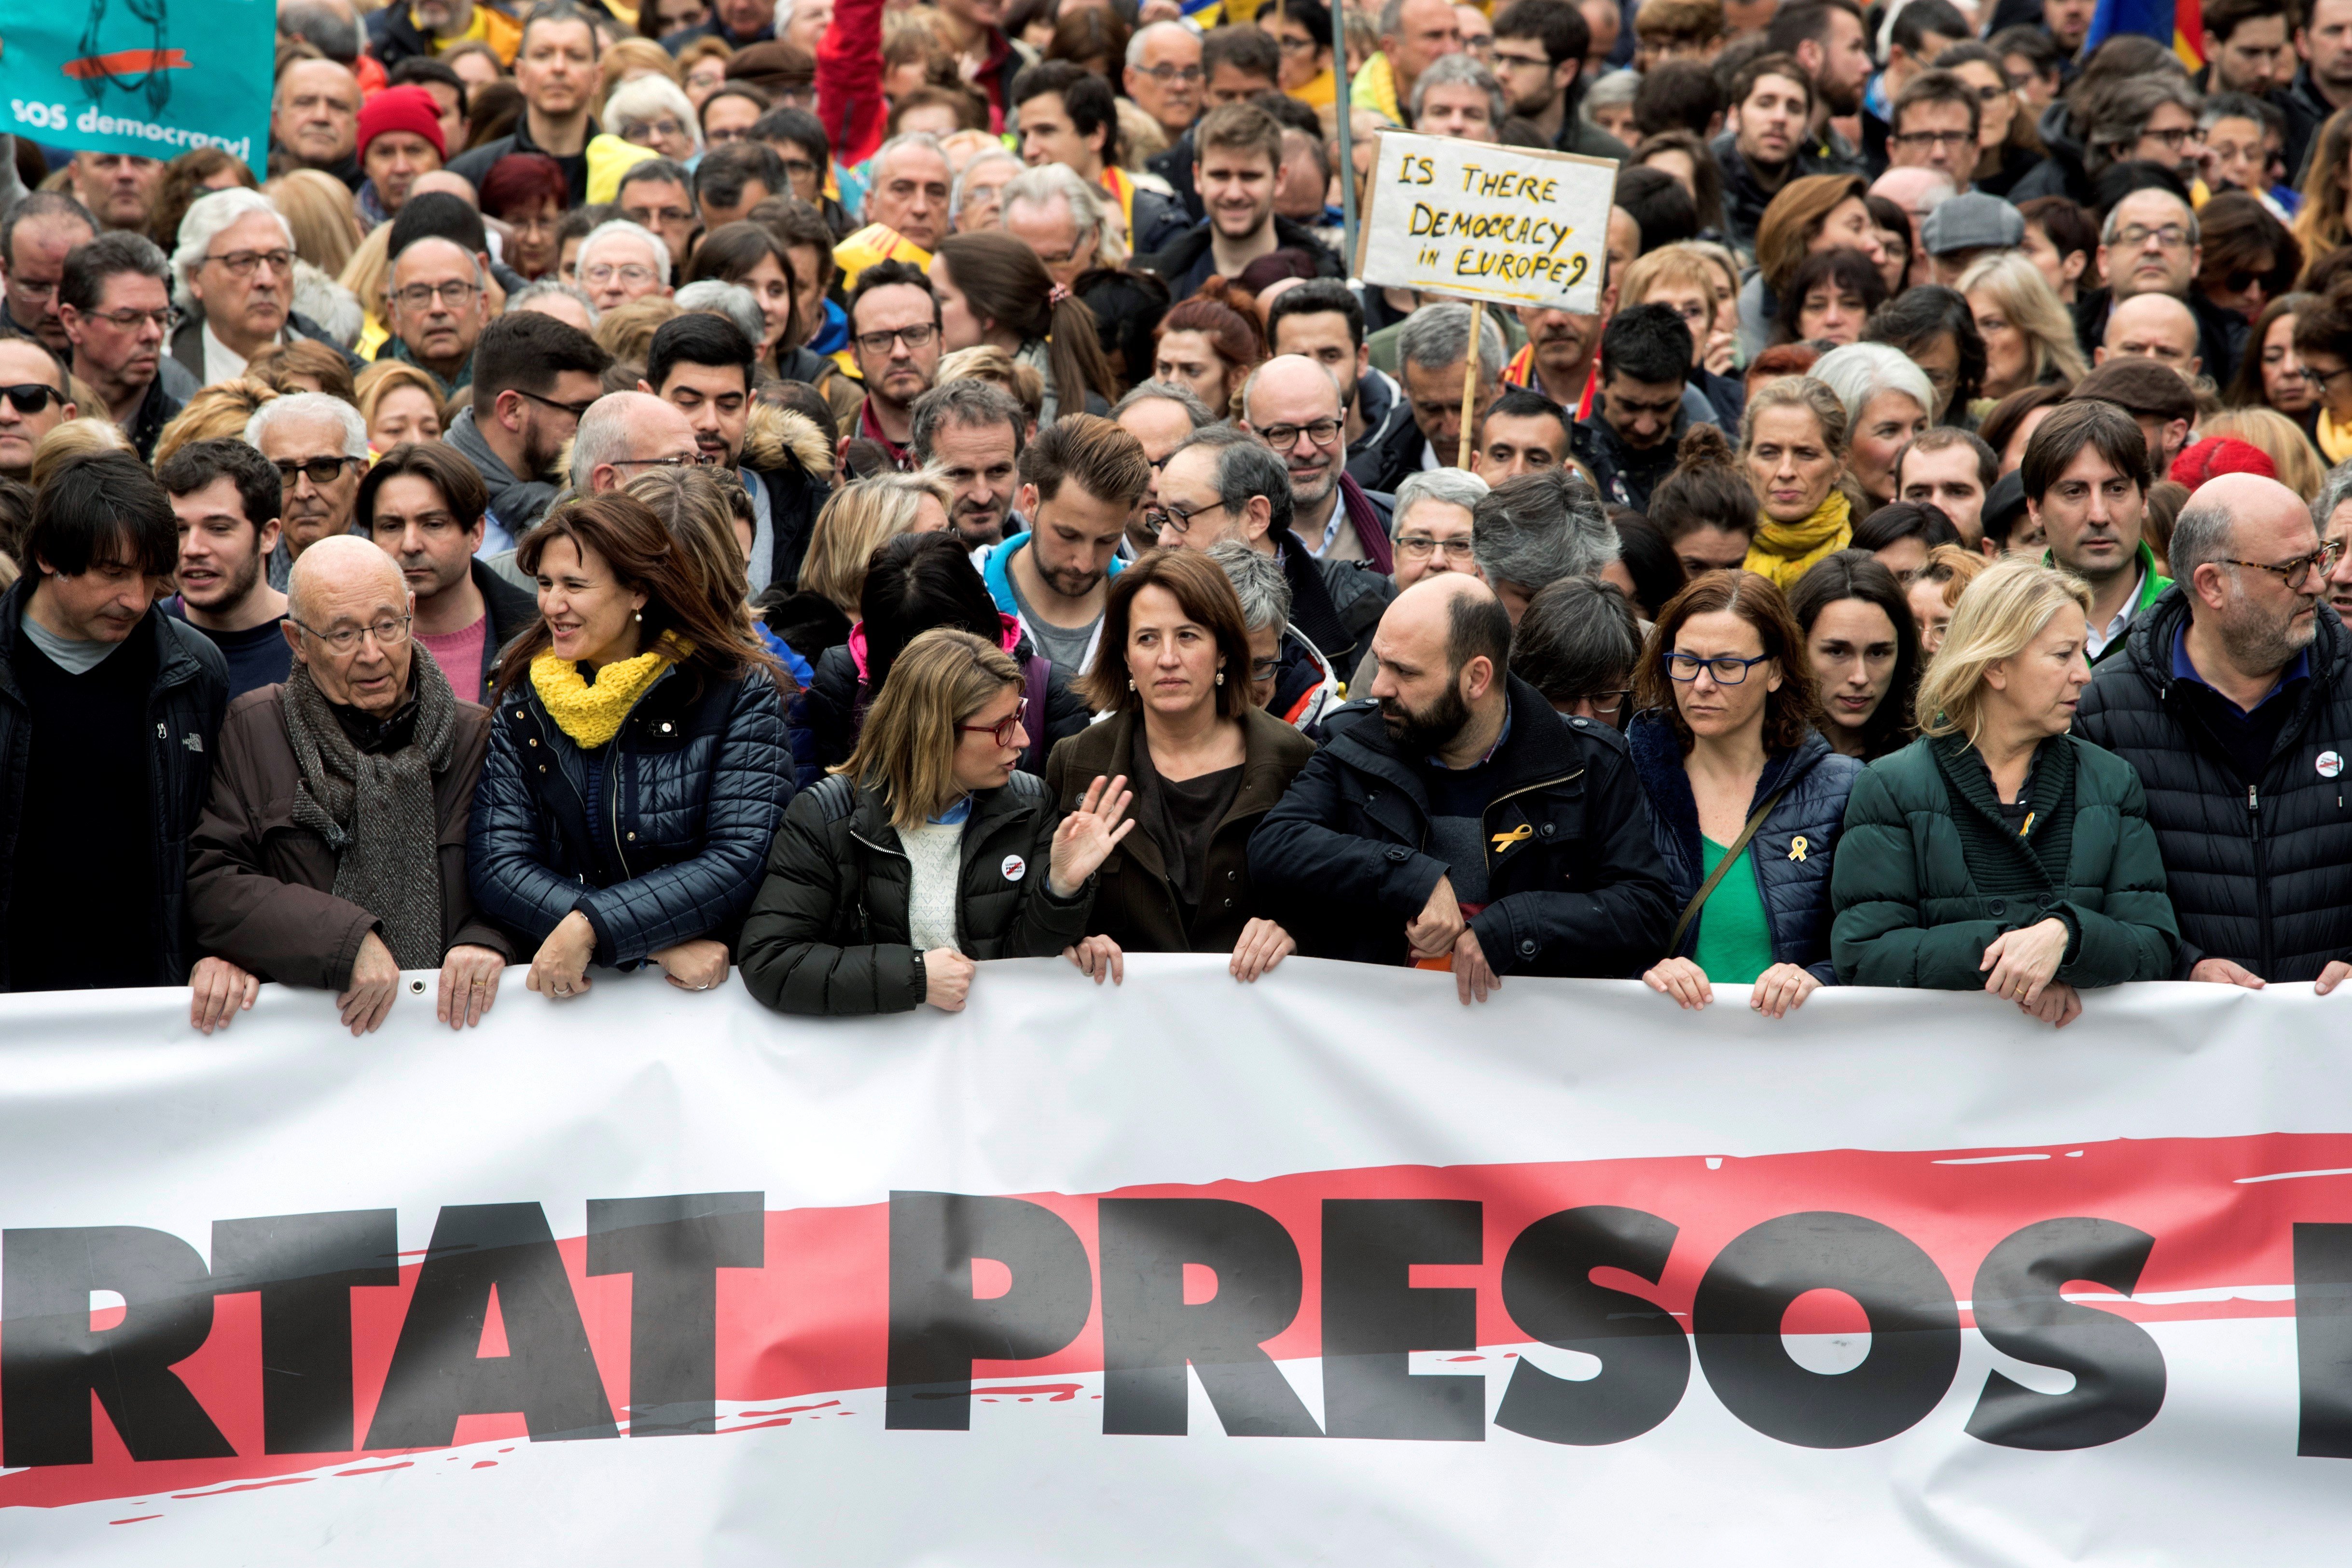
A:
(838, 490)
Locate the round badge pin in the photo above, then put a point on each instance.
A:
(2329, 764)
(1015, 868)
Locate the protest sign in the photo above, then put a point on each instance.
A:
(153, 77)
(1471, 220)
(1322, 1269)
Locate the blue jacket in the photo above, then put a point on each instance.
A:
(659, 836)
(1792, 881)
(995, 563)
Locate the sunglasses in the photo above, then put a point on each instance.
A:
(32, 397)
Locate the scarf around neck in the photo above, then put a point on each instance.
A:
(592, 715)
(2335, 439)
(375, 809)
(1786, 552)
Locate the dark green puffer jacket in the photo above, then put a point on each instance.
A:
(1927, 874)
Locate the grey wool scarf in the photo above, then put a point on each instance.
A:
(376, 810)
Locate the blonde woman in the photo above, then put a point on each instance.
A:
(1686, 278)
(2029, 336)
(1793, 447)
(72, 439)
(2290, 451)
(860, 518)
(399, 402)
(1997, 853)
(926, 849)
(217, 413)
(318, 209)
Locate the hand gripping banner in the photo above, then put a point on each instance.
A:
(1327, 1269)
(150, 77)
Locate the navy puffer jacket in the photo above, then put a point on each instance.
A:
(1790, 853)
(658, 836)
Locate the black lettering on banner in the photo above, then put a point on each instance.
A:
(2118, 1370)
(1150, 1335)
(2323, 1342)
(674, 1247)
(1548, 1289)
(1373, 1318)
(52, 1361)
(1915, 1330)
(305, 1266)
(438, 1374)
(938, 1329)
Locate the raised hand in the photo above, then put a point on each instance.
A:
(1088, 834)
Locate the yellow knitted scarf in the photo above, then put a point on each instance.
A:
(1786, 552)
(592, 714)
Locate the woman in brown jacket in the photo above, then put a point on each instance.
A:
(333, 849)
(1205, 764)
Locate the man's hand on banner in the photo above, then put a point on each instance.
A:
(376, 981)
(560, 967)
(1263, 944)
(217, 991)
(1474, 977)
(1097, 957)
(947, 978)
(1088, 834)
(696, 965)
(469, 984)
(1436, 929)
(2222, 972)
(2024, 962)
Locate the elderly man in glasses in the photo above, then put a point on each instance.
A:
(2231, 701)
(1295, 406)
(620, 261)
(235, 259)
(319, 445)
(2150, 243)
(331, 852)
(439, 310)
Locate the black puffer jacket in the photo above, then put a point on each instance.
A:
(2259, 875)
(837, 698)
(828, 934)
(657, 836)
(1790, 853)
(1575, 886)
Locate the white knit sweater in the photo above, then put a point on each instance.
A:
(934, 850)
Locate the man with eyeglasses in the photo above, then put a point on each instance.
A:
(2085, 475)
(235, 259)
(319, 443)
(363, 874)
(1457, 823)
(1161, 415)
(116, 307)
(2150, 243)
(626, 433)
(399, 140)
(437, 311)
(1539, 57)
(226, 498)
(534, 376)
(1293, 404)
(1434, 512)
(620, 261)
(1638, 418)
(36, 234)
(1080, 479)
(1163, 76)
(893, 325)
(1914, 37)
(1935, 126)
(2232, 703)
(657, 195)
(33, 402)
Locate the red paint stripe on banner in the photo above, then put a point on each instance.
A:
(813, 1320)
(125, 62)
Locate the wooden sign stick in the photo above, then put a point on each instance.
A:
(1470, 377)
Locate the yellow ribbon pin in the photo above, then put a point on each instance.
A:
(1505, 840)
(1797, 848)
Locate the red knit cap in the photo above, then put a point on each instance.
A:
(409, 108)
(2219, 455)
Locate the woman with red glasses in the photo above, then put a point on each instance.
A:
(926, 850)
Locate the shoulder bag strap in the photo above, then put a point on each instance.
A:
(1730, 857)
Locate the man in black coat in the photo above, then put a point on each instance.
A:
(2234, 702)
(1464, 820)
(109, 712)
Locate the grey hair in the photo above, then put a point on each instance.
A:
(1245, 467)
(1454, 487)
(643, 99)
(2199, 534)
(207, 218)
(922, 138)
(622, 228)
(1470, 68)
(2333, 493)
(1857, 373)
(1576, 639)
(1258, 583)
(731, 300)
(338, 35)
(2121, 114)
(603, 431)
(1137, 45)
(546, 288)
(1614, 90)
(295, 406)
(1185, 398)
(2114, 225)
(1041, 186)
(1391, 17)
(1536, 528)
(966, 401)
(1436, 336)
(957, 194)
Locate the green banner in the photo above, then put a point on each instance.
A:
(150, 77)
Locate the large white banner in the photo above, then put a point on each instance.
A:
(1324, 1270)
